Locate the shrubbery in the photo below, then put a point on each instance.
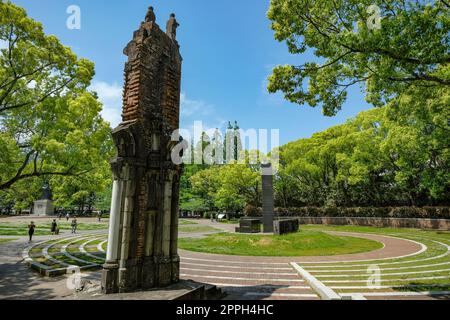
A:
(252, 211)
(367, 212)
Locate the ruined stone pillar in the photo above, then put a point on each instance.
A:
(142, 250)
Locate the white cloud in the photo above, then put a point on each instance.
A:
(111, 97)
(199, 111)
(270, 99)
(191, 110)
(194, 107)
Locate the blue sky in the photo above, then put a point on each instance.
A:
(228, 50)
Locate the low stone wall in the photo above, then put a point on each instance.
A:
(435, 224)
(285, 226)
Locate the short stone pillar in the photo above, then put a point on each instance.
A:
(43, 208)
(267, 197)
(143, 232)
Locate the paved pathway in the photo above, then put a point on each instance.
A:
(17, 281)
(242, 278)
(248, 278)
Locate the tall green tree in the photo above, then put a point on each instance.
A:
(50, 124)
(229, 187)
(384, 157)
(409, 48)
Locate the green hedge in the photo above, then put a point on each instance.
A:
(386, 212)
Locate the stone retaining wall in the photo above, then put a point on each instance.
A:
(436, 224)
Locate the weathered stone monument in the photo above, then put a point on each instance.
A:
(253, 225)
(44, 206)
(267, 197)
(142, 244)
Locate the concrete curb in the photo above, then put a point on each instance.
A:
(322, 290)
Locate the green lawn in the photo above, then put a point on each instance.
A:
(232, 221)
(380, 230)
(6, 240)
(195, 229)
(184, 222)
(303, 243)
(42, 229)
(19, 231)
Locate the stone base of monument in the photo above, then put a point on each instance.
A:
(280, 226)
(109, 277)
(249, 225)
(135, 275)
(43, 208)
(285, 226)
(183, 290)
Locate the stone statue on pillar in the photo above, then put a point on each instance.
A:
(46, 192)
(171, 28)
(44, 206)
(150, 17)
(143, 233)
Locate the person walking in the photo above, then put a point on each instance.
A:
(74, 225)
(67, 216)
(54, 227)
(31, 228)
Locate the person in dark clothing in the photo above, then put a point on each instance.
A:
(54, 227)
(31, 228)
(74, 225)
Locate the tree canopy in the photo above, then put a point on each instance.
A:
(384, 157)
(50, 123)
(410, 48)
(229, 187)
(398, 53)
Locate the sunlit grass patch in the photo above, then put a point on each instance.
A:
(196, 229)
(43, 229)
(304, 243)
(2, 241)
(183, 222)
